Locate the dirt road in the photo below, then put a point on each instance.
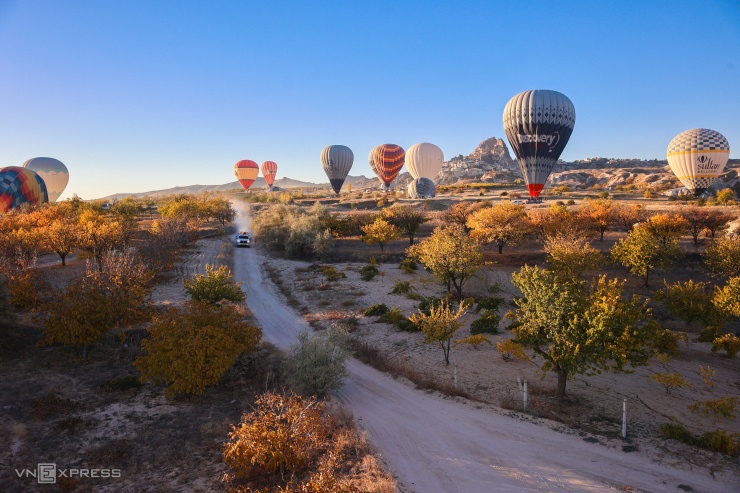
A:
(438, 445)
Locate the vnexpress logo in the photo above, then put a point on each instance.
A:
(48, 473)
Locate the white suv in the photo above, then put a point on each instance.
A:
(243, 239)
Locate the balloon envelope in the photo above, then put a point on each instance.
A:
(19, 186)
(421, 188)
(538, 125)
(337, 161)
(386, 161)
(424, 160)
(53, 172)
(269, 170)
(697, 157)
(246, 172)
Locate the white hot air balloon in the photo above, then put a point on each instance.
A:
(424, 160)
(697, 157)
(53, 172)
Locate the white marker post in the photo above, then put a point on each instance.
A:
(624, 418)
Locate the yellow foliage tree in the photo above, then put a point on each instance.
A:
(380, 232)
(599, 213)
(99, 235)
(502, 224)
(441, 324)
(190, 347)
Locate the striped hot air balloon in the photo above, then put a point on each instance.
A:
(269, 170)
(421, 188)
(246, 172)
(538, 125)
(424, 160)
(20, 186)
(386, 161)
(53, 172)
(337, 161)
(697, 157)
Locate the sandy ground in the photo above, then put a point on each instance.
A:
(436, 444)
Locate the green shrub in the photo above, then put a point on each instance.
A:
(376, 310)
(666, 341)
(677, 431)
(427, 303)
(407, 325)
(729, 342)
(316, 363)
(402, 287)
(393, 316)
(490, 303)
(409, 265)
(721, 441)
(213, 286)
(332, 274)
(486, 324)
(709, 334)
(368, 272)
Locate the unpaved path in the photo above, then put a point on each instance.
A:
(438, 445)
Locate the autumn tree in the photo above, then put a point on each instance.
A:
(502, 224)
(440, 324)
(667, 227)
(460, 212)
(641, 251)
(181, 230)
(578, 329)
(727, 298)
(214, 286)
(116, 296)
(220, 209)
(559, 220)
(407, 218)
(316, 364)
(60, 229)
(599, 214)
(626, 216)
(125, 212)
(700, 219)
(691, 302)
(723, 256)
(725, 196)
(450, 254)
(20, 240)
(98, 235)
(184, 206)
(380, 232)
(571, 257)
(283, 433)
(5, 308)
(190, 347)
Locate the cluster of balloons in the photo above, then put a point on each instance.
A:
(38, 180)
(423, 160)
(538, 125)
(246, 172)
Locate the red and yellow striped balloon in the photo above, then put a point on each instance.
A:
(246, 172)
(386, 160)
(269, 170)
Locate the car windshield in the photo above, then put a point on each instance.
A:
(243, 237)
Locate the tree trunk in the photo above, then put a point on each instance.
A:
(602, 235)
(411, 238)
(562, 380)
(446, 350)
(500, 248)
(64, 262)
(647, 277)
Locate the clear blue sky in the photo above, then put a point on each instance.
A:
(142, 95)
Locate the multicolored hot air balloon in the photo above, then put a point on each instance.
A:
(386, 161)
(538, 125)
(53, 172)
(337, 161)
(424, 160)
(246, 172)
(19, 186)
(421, 188)
(697, 157)
(269, 170)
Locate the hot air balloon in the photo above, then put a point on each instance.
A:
(246, 172)
(424, 160)
(697, 157)
(337, 161)
(386, 160)
(421, 188)
(19, 186)
(53, 172)
(269, 170)
(538, 125)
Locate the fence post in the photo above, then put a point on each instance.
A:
(624, 418)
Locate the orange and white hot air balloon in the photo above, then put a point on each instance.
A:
(269, 170)
(246, 172)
